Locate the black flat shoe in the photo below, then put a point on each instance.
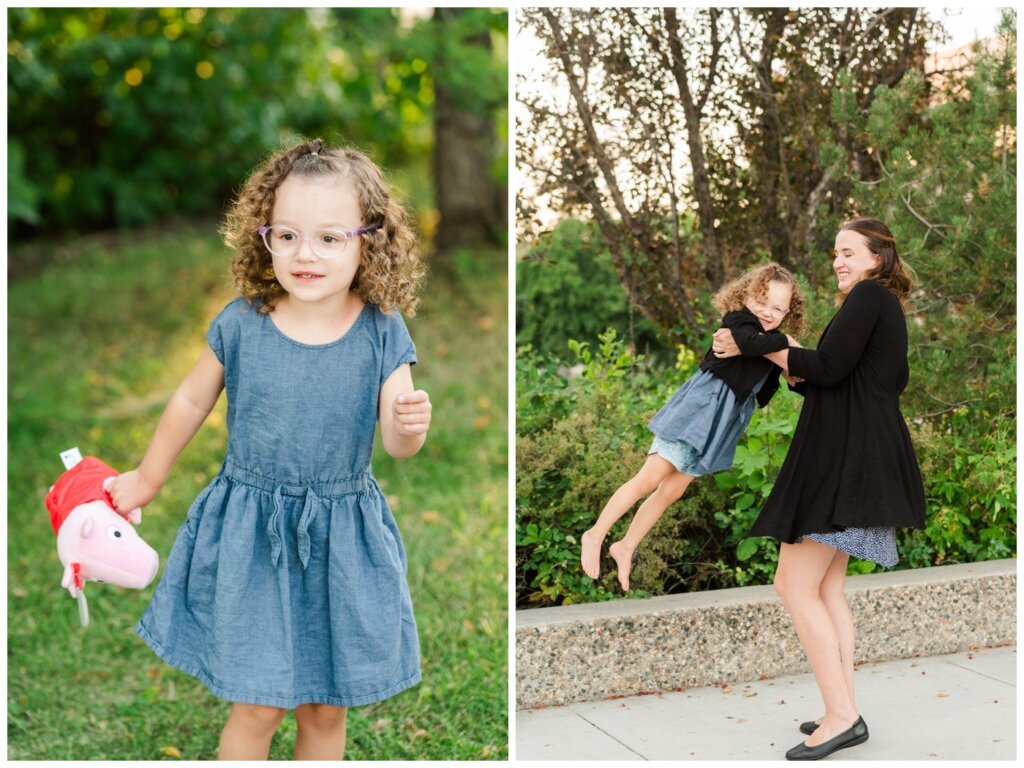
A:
(809, 727)
(856, 734)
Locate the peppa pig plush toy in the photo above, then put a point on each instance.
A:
(94, 541)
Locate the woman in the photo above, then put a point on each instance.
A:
(851, 476)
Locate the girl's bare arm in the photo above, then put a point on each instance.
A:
(404, 414)
(188, 408)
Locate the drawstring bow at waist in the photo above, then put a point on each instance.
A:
(312, 504)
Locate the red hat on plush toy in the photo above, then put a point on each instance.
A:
(79, 485)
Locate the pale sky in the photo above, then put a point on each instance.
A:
(965, 25)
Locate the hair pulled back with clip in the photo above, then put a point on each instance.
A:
(390, 268)
(892, 272)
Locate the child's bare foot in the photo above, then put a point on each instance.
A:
(590, 557)
(623, 557)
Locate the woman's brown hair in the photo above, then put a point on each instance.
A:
(390, 269)
(754, 282)
(892, 271)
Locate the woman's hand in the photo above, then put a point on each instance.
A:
(791, 380)
(131, 490)
(724, 345)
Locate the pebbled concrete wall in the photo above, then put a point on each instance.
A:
(626, 647)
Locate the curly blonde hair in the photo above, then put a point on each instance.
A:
(390, 268)
(754, 282)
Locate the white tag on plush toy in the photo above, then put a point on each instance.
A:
(83, 610)
(70, 457)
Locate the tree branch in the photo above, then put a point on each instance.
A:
(701, 183)
(587, 119)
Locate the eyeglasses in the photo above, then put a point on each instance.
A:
(326, 243)
(773, 311)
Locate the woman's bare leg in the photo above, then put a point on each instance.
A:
(668, 491)
(321, 734)
(248, 732)
(833, 594)
(654, 470)
(798, 579)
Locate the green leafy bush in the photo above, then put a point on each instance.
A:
(970, 484)
(567, 288)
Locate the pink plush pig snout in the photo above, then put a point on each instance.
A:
(107, 547)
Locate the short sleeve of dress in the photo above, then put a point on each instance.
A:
(396, 345)
(222, 335)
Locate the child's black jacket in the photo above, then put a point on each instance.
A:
(743, 372)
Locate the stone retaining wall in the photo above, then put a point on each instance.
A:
(626, 647)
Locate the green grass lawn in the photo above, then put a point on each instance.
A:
(98, 340)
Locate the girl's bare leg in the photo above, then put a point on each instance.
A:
(798, 579)
(654, 470)
(670, 489)
(321, 734)
(248, 732)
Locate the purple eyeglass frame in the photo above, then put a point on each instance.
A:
(263, 230)
(348, 235)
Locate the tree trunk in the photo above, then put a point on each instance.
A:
(471, 203)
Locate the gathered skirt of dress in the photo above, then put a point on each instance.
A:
(877, 544)
(705, 414)
(285, 595)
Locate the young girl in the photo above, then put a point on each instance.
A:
(696, 432)
(285, 588)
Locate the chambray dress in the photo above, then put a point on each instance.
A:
(286, 583)
(698, 429)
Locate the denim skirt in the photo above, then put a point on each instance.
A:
(705, 415)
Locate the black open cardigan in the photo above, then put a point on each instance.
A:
(851, 462)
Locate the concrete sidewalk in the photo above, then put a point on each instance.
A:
(961, 706)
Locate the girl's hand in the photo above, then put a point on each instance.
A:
(724, 345)
(793, 342)
(131, 491)
(411, 413)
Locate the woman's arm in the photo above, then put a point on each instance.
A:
(839, 352)
(404, 414)
(188, 408)
(844, 344)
